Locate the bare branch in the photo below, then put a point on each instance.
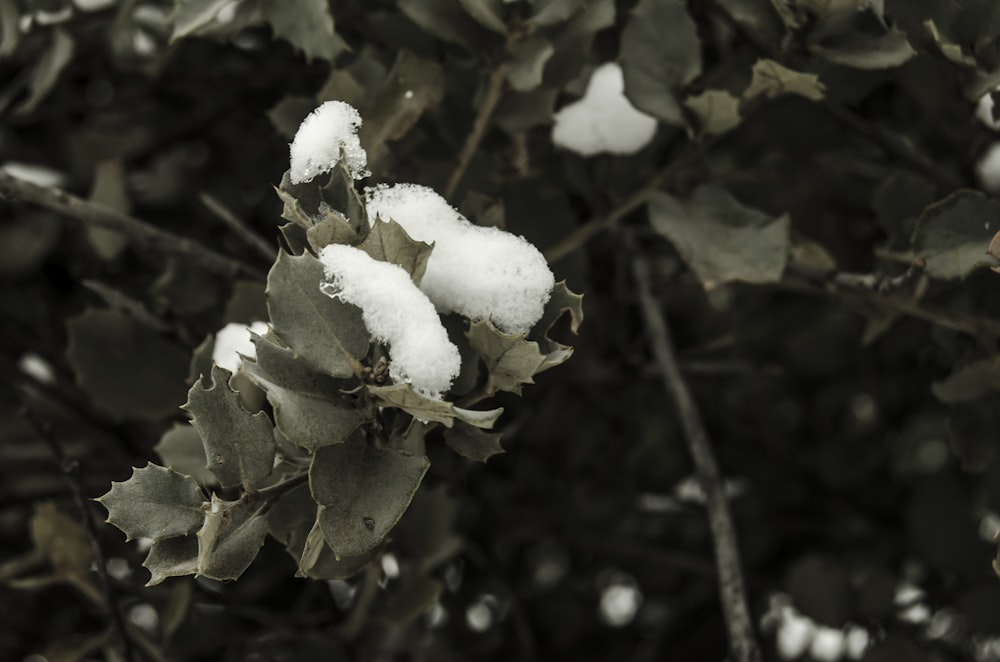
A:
(742, 640)
(494, 92)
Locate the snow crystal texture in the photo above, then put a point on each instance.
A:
(397, 314)
(322, 135)
(603, 120)
(479, 272)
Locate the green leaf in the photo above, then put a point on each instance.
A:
(340, 194)
(10, 34)
(488, 13)
(230, 538)
(173, 557)
(511, 360)
(292, 210)
(446, 20)
(63, 541)
(756, 16)
(412, 87)
(192, 15)
(239, 445)
(292, 520)
(307, 25)
(968, 382)
(771, 80)
(307, 409)
(720, 239)
(519, 111)
(362, 492)
(527, 62)
(717, 111)
(333, 228)
(46, 71)
(155, 503)
(473, 443)
(287, 115)
(655, 65)
(863, 51)
(950, 50)
(572, 39)
(182, 450)
(562, 301)
(389, 242)
(329, 334)
(954, 233)
(402, 396)
(552, 12)
(127, 369)
(899, 202)
(296, 238)
(411, 599)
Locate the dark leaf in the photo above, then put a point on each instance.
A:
(173, 557)
(954, 234)
(306, 24)
(473, 443)
(970, 381)
(771, 80)
(182, 450)
(389, 242)
(511, 360)
(230, 538)
(155, 503)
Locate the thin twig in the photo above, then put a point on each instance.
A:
(356, 622)
(239, 228)
(142, 234)
(71, 470)
(880, 283)
(494, 92)
(742, 641)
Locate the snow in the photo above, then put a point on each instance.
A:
(827, 644)
(795, 633)
(988, 169)
(234, 339)
(396, 313)
(34, 173)
(984, 111)
(479, 272)
(603, 120)
(322, 135)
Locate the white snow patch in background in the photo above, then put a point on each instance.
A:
(603, 120)
(827, 644)
(988, 169)
(93, 5)
(234, 339)
(479, 272)
(36, 174)
(795, 633)
(322, 135)
(984, 111)
(398, 314)
(36, 367)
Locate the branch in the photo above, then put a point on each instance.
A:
(742, 641)
(141, 233)
(239, 228)
(494, 92)
(367, 593)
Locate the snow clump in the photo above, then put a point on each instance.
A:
(396, 313)
(603, 120)
(234, 339)
(479, 272)
(317, 145)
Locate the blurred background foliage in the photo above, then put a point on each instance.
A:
(857, 423)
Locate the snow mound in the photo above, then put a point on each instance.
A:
(603, 120)
(396, 313)
(234, 339)
(322, 135)
(479, 272)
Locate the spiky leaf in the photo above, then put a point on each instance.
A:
(182, 450)
(239, 445)
(771, 80)
(305, 24)
(404, 397)
(954, 234)
(230, 538)
(362, 492)
(389, 242)
(473, 443)
(155, 503)
(510, 359)
(173, 557)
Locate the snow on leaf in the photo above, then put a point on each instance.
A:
(362, 492)
(397, 313)
(954, 234)
(472, 442)
(389, 242)
(720, 239)
(328, 334)
(239, 445)
(326, 137)
(155, 503)
(230, 538)
(771, 80)
(511, 360)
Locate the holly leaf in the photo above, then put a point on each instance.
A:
(155, 503)
(954, 234)
(182, 450)
(192, 15)
(472, 442)
(333, 228)
(717, 112)
(510, 359)
(173, 557)
(771, 80)
(239, 445)
(864, 51)
(562, 301)
(230, 538)
(329, 334)
(402, 396)
(362, 492)
(126, 368)
(969, 382)
(389, 242)
(655, 65)
(446, 20)
(526, 65)
(307, 25)
(292, 521)
(47, 69)
(292, 209)
(308, 410)
(720, 239)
